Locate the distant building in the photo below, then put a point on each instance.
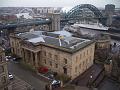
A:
(60, 53)
(43, 10)
(7, 17)
(109, 11)
(53, 25)
(3, 71)
(23, 15)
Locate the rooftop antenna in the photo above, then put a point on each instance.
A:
(60, 37)
(60, 42)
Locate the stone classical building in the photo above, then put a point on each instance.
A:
(3, 71)
(58, 51)
(109, 11)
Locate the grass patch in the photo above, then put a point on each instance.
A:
(69, 87)
(63, 78)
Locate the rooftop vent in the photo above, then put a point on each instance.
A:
(31, 30)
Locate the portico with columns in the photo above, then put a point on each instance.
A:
(31, 57)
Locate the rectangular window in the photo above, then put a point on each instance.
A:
(56, 65)
(90, 58)
(56, 57)
(50, 63)
(6, 88)
(44, 53)
(49, 55)
(65, 60)
(76, 59)
(91, 49)
(65, 70)
(80, 56)
(45, 61)
(79, 65)
(84, 54)
(75, 69)
(87, 52)
(83, 63)
(86, 61)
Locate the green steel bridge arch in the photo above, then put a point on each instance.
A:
(75, 11)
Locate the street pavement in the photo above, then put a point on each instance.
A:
(26, 75)
(18, 84)
(109, 84)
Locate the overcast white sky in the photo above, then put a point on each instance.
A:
(56, 3)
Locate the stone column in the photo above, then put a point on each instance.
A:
(31, 54)
(36, 60)
(24, 55)
(28, 57)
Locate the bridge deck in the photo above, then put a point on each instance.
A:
(24, 23)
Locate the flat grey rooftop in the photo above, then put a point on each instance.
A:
(55, 39)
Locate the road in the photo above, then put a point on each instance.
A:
(26, 75)
(109, 84)
(18, 84)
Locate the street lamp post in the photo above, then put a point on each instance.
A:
(1, 32)
(90, 82)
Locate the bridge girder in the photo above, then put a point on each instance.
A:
(81, 6)
(75, 10)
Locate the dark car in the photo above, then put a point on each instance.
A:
(16, 60)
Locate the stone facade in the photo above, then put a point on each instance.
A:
(102, 47)
(103, 44)
(45, 10)
(108, 67)
(3, 71)
(57, 59)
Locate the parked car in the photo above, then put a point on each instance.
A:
(16, 60)
(10, 76)
(51, 76)
(7, 58)
(55, 83)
